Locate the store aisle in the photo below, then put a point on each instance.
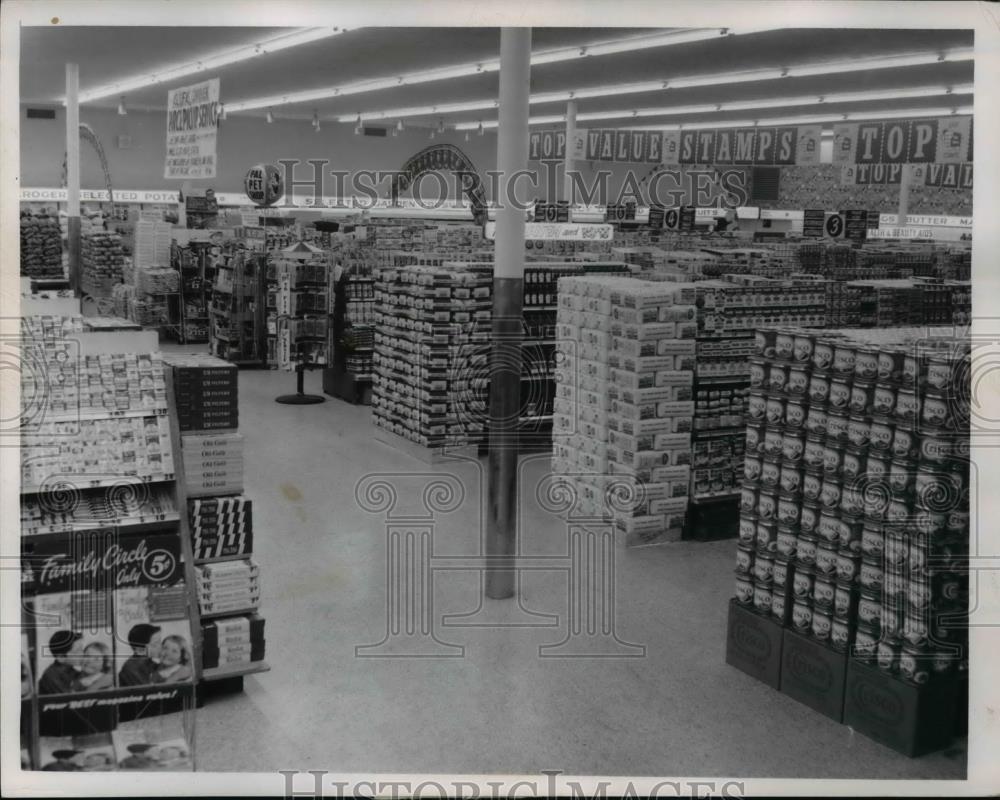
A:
(500, 707)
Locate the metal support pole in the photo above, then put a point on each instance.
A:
(568, 163)
(904, 195)
(508, 298)
(73, 174)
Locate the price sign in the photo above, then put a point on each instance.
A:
(687, 218)
(620, 212)
(656, 216)
(855, 225)
(672, 219)
(834, 226)
(812, 222)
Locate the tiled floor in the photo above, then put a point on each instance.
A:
(499, 704)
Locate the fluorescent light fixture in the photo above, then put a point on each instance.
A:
(399, 125)
(269, 117)
(882, 62)
(627, 45)
(211, 62)
(480, 130)
(122, 111)
(419, 111)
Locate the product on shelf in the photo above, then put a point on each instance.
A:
(41, 246)
(302, 311)
(206, 391)
(232, 641)
(97, 508)
(221, 527)
(102, 262)
(157, 280)
(228, 587)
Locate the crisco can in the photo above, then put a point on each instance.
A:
(914, 369)
(767, 538)
(844, 359)
(758, 373)
(833, 458)
(822, 358)
(870, 610)
(780, 607)
(880, 435)
(914, 665)
(816, 420)
(936, 411)
(773, 442)
(858, 431)
(836, 427)
(767, 506)
(792, 446)
(812, 455)
(845, 599)
(877, 467)
(939, 373)
(829, 496)
(789, 510)
(870, 576)
(915, 630)
(802, 348)
(900, 512)
(756, 406)
(777, 377)
(755, 439)
(763, 567)
(787, 541)
(798, 382)
(855, 462)
(850, 531)
(744, 560)
(907, 406)
(744, 589)
(795, 415)
(826, 561)
(848, 565)
(887, 655)
(809, 517)
(748, 498)
(896, 548)
(905, 443)
(791, 479)
(884, 399)
(902, 477)
(865, 644)
(957, 522)
(770, 472)
(824, 591)
(935, 449)
(872, 542)
(784, 344)
(821, 623)
(890, 365)
(763, 342)
(751, 467)
(866, 363)
(839, 396)
(841, 633)
(819, 388)
(762, 598)
(862, 398)
(806, 552)
(919, 557)
(828, 530)
(852, 498)
(747, 529)
(774, 410)
(782, 572)
(802, 615)
(812, 485)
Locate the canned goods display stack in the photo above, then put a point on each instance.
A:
(427, 319)
(623, 408)
(854, 510)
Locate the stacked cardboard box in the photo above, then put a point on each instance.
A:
(205, 388)
(221, 527)
(232, 641)
(228, 587)
(623, 411)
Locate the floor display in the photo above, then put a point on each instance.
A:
(41, 246)
(102, 263)
(236, 315)
(854, 525)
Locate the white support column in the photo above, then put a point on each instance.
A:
(904, 195)
(73, 173)
(568, 163)
(508, 298)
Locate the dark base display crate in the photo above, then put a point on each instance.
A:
(753, 644)
(814, 674)
(912, 720)
(346, 386)
(710, 520)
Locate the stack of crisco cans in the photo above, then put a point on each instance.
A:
(854, 524)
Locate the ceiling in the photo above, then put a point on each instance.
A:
(107, 54)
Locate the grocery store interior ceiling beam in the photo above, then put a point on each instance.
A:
(213, 61)
(705, 108)
(627, 45)
(816, 119)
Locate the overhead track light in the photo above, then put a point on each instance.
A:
(122, 111)
(269, 117)
(210, 62)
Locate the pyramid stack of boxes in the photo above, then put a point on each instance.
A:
(623, 407)
(854, 511)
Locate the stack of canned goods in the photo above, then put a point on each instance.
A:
(854, 505)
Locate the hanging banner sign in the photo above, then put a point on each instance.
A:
(620, 212)
(807, 150)
(547, 144)
(656, 216)
(552, 212)
(812, 222)
(559, 231)
(845, 137)
(670, 147)
(192, 127)
(954, 140)
(28, 195)
(687, 218)
(946, 176)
